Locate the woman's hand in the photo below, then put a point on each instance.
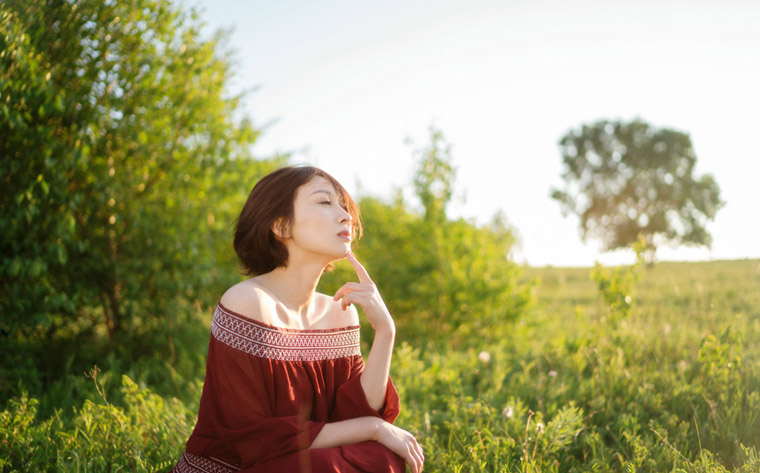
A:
(403, 444)
(365, 294)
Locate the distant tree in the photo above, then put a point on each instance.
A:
(625, 179)
(123, 161)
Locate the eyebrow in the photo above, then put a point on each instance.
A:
(323, 191)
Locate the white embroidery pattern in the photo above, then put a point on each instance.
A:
(284, 344)
(190, 463)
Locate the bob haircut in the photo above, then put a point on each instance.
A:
(258, 249)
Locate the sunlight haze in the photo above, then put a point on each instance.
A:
(343, 84)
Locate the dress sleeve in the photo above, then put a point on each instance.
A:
(243, 415)
(351, 402)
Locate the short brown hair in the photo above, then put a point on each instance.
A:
(272, 198)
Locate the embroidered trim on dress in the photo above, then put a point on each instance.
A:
(190, 463)
(267, 341)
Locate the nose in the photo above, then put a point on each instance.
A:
(345, 217)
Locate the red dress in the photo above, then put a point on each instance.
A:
(269, 391)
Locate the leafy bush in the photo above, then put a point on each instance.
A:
(142, 435)
(439, 276)
(116, 132)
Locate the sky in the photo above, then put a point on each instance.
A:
(344, 85)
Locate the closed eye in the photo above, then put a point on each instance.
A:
(326, 202)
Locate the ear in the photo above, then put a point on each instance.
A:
(280, 229)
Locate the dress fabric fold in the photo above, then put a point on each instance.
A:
(269, 391)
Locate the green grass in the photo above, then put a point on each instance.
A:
(571, 387)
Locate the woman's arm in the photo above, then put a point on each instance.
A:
(374, 378)
(346, 432)
(362, 429)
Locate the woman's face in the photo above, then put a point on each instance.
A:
(320, 224)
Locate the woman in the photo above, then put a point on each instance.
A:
(286, 388)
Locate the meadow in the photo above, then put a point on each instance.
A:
(116, 248)
(671, 385)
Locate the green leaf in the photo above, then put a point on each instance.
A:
(15, 268)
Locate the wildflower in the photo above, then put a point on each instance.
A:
(628, 300)
(484, 357)
(539, 427)
(552, 373)
(508, 412)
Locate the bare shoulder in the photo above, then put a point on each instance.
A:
(244, 299)
(251, 301)
(337, 316)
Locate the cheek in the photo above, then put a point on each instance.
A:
(309, 224)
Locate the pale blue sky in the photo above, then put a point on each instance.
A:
(342, 84)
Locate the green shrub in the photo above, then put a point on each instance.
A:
(145, 434)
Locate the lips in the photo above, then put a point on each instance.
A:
(345, 234)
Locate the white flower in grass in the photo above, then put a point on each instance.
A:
(539, 427)
(552, 374)
(508, 412)
(484, 357)
(628, 300)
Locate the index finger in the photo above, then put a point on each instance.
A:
(360, 271)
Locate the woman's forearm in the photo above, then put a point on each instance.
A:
(346, 432)
(374, 378)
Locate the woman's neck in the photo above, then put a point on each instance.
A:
(294, 285)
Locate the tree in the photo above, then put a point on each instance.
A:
(625, 179)
(439, 276)
(122, 167)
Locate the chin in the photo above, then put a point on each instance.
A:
(336, 254)
(333, 252)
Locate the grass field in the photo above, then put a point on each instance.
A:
(671, 385)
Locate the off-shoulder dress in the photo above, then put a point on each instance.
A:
(269, 391)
